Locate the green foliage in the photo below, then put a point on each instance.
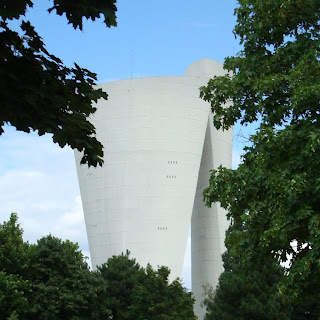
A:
(13, 300)
(76, 10)
(275, 191)
(14, 265)
(14, 252)
(138, 293)
(63, 286)
(51, 280)
(157, 299)
(38, 92)
(247, 291)
(121, 275)
(275, 77)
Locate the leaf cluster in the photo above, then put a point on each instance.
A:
(274, 193)
(275, 78)
(144, 293)
(38, 92)
(48, 280)
(51, 280)
(75, 11)
(250, 290)
(247, 292)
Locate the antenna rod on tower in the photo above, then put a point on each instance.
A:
(131, 62)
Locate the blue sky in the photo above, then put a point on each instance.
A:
(153, 38)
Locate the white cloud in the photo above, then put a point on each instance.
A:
(38, 181)
(74, 216)
(71, 225)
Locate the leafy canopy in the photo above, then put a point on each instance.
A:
(274, 193)
(246, 292)
(51, 280)
(38, 92)
(144, 293)
(47, 280)
(250, 291)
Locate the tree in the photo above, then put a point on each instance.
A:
(138, 293)
(157, 299)
(121, 275)
(51, 280)
(247, 291)
(63, 286)
(14, 264)
(14, 252)
(48, 280)
(275, 191)
(38, 92)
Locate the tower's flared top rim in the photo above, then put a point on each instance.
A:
(205, 68)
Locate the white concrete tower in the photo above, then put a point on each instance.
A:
(159, 146)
